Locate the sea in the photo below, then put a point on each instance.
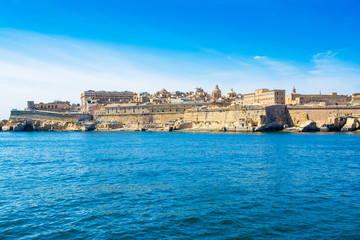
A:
(174, 185)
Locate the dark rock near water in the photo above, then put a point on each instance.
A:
(270, 127)
(309, 126)
(324, 128)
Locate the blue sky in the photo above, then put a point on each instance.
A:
(56, 49)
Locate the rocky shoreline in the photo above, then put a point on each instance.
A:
(350, 124)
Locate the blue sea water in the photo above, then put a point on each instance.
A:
(145, 185)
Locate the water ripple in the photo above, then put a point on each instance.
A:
(179, 186)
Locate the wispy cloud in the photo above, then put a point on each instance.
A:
(44, 68)
(259, 57)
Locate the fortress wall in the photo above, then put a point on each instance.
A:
(204, 116)
(125, 119)
(19, 115)
(236, 113)
(277, 114)
(159, 118)
(229, 115)
(321, 115)
(162, 118)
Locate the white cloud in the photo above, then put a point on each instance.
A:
(45, 68)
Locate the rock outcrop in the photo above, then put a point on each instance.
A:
(269, 127)
(46, 126)
(351, 124)
(180, 125)
(2, 123)
(324, 128)
(309, 126)
(292, 129)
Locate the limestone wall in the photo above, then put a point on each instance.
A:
(236, 113)
(246, 115)
(19, 115)
(277, 114)
(163, 118)
(321, 115)
(158, 118)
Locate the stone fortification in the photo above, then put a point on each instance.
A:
(321, 115)
(254, 114)
(238, 117)
(142, 119)
(326, 118)
(205, 118)
(234, 117)
(33, 115)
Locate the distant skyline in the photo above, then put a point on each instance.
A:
(56, 49)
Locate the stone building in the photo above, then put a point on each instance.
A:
(141, 97)
(355, 99)
(177, 94)
(216, 94)
(199, 95)
(105, 97)
(134, 108)
(264, 96)
(231, 94)
(162, 94)
(56, 106)
(317, 99)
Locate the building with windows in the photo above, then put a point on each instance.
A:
(56, 106)
(264, 96)
(104, 97)
(135, 108)
(317, 99)
(355, 99)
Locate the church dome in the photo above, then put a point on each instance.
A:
(231, 94)
(216, 94)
